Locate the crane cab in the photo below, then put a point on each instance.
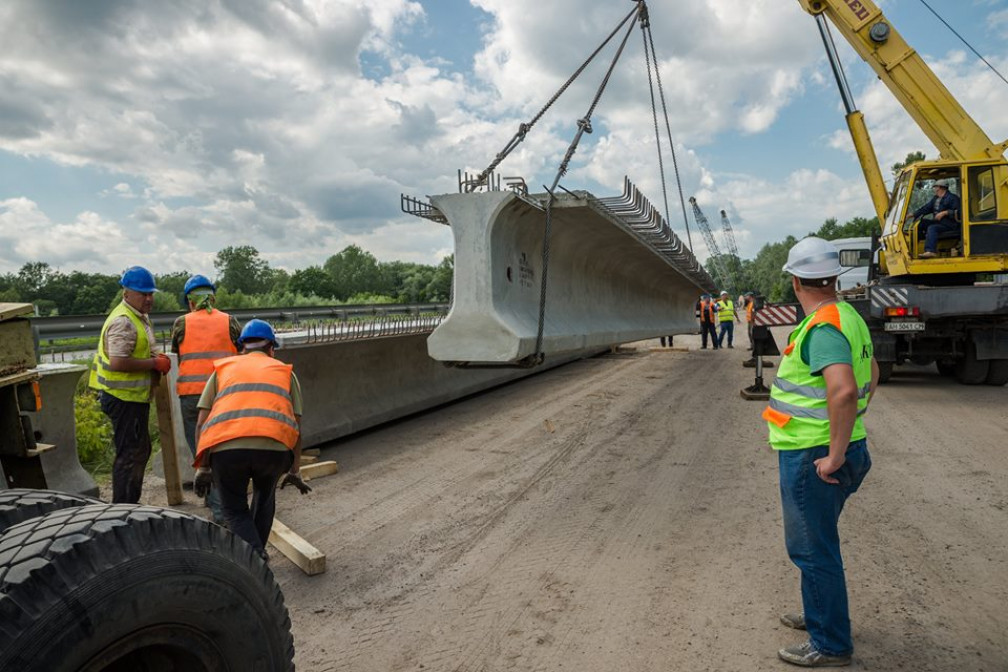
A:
(979, 242)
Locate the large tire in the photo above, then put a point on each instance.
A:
(110, 588)
(997, 374)
(969, 369)
(20, 504)
(884, 371)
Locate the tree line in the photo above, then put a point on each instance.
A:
(244, 280)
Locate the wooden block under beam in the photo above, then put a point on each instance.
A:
(311, 451)
(311, 560)
(319, 469)
(308, 459)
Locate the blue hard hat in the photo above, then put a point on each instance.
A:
(257, 329)
(138, 279)
(197, 281)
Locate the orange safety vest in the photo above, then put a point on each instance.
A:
(707, 312)
(749, 310)
(207, 337)
(253, 399)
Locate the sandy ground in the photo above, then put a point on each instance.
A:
(622, 513)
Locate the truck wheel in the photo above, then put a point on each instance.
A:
(884, 371)
(997, 374)
(113, 587)
(20, 504)
(946, 367)
(969, 369)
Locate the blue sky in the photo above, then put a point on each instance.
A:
(159, 133)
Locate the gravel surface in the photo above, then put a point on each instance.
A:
(622, 513)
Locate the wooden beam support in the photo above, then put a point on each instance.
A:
(319, 469)
(311, 560)
(166, 431)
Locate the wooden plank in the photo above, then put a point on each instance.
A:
(308, 459)
(319, 469)
(311, 451)
(166, 430)
(311, 560)
(39, 449)
(8, 310)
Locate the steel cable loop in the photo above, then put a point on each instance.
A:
(524, 128)
(654, 115)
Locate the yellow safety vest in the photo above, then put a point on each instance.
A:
(726, 312)
(798, 416)
(125, 385)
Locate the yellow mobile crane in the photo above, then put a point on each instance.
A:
(927, 308)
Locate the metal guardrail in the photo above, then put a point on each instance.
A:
(84, 326)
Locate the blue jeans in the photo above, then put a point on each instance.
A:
(934, 229)
(729, 328)
(811, 510)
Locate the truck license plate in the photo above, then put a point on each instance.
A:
(904, 326)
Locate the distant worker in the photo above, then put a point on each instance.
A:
(826, 378)
(249, 429)
(200, 337)
(945, 211)
(726, 316)
(708, 321)
(750, 307)
(125, 368)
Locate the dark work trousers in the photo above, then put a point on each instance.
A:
(190, 413)
(132, 446)
(232, 471)
(708, 328)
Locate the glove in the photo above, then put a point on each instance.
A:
(202, 482)
(162, 363)
(296, 481)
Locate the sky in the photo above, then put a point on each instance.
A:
(157, 134)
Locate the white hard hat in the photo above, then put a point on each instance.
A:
(813, 258)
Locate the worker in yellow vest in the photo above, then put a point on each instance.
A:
(827, 376)
(249, 430)
(727, 317)
(124, 369)
(199, 337)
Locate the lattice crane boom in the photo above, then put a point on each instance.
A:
(724, 280)
(729, 236)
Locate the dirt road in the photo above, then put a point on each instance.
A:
(622, 513)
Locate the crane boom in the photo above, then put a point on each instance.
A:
(729, 236)
(723, 278)
(939, 115)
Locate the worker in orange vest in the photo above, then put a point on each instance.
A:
(249, 429)
(198, 338)
(708, 321)
(750, 303)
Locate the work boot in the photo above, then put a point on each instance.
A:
(928, 255)
(731, 347)
(796, 621)
(805, 655)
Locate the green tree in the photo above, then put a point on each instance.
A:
(353, 271)
(912, 157)
(312, 280)
(440, 286)
(32, 279)
(173, 284)
(240, 269)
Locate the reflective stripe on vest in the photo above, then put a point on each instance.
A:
(126, 385)
(727, 311)
(253, 399)
(207, 337)
(798, 415)
(707, 312)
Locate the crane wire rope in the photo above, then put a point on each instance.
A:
(649, 37)
(524, 128)
(964, 41)
(584, 126)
